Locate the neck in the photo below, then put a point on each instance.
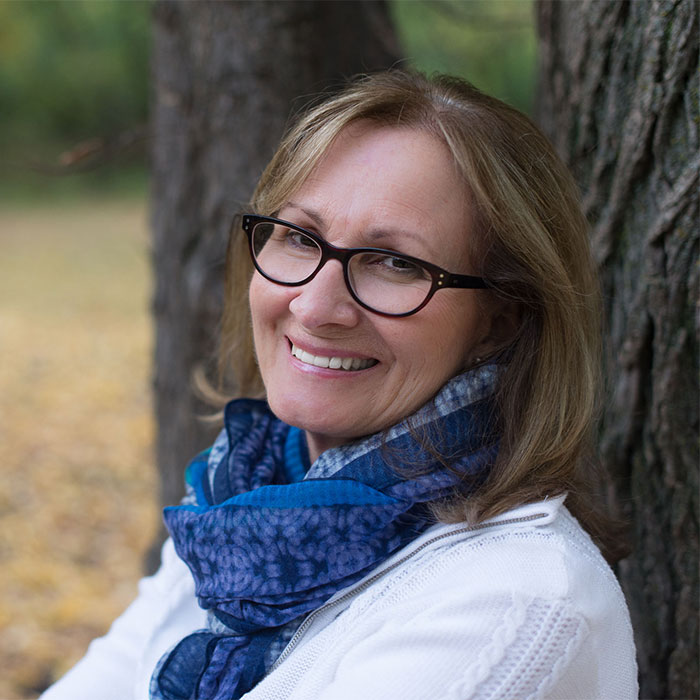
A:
(317, 444)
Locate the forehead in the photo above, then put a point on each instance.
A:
(394, 180)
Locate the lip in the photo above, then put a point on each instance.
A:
(325, 351)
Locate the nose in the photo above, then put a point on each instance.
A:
(325, 300)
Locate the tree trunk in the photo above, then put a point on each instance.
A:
(619, 98)
(225, 75)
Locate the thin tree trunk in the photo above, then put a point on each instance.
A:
(225, 75)
(619, 97)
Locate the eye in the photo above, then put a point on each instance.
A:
(402, 267)
(283, 235)
(401, 264)
(300, 240)
(392, 268)
(295, 243)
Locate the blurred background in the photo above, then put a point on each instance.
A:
(79, 493)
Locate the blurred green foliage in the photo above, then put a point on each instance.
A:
(491, 43)
(70, 71)
(73, 70)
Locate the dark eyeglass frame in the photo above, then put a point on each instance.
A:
(441, 278)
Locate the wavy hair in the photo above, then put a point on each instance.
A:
(529, 241)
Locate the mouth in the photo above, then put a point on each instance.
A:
(348, 364)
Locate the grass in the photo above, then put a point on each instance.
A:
(77, 498)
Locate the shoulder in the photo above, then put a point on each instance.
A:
(537, 550)
(529, 587)
(532, 572)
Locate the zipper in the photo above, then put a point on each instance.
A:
(294, 641)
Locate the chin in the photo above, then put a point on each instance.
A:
(323, 422)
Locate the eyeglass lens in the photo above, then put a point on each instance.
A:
(387, 283)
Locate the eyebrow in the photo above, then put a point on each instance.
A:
(373, 235)
(313, 215)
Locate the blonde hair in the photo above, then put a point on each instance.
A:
(530, 242)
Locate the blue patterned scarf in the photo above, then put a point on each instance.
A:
(264, 552)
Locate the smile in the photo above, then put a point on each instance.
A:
(351, 364)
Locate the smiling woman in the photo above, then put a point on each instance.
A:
(411, 302)
(399, 363)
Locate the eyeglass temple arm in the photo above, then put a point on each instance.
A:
(464, 281)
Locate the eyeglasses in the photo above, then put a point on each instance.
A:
(382, 281)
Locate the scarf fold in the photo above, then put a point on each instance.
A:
(264, 552)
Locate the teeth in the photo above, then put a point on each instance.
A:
(347, 363)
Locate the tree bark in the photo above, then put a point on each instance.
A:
(225, 75)
(619, 98)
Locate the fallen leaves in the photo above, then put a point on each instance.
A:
(77, 493)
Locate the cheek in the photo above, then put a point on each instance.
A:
(267, 302)
(456, 334)
(266, 309)
(256, 295)
(254, 303)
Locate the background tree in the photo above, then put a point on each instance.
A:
(618, 95)
(224, 77)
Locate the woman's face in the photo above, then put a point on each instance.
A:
(388, 188)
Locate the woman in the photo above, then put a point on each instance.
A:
(394, 521)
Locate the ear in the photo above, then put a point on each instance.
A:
(503, 321)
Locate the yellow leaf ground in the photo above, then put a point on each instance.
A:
(77, 493)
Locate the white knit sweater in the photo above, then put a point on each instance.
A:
(522, 607)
